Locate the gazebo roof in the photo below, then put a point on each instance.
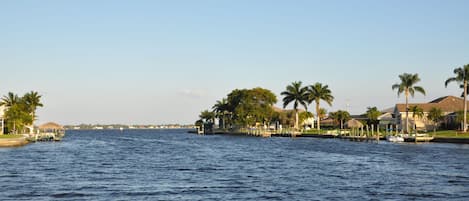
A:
(353, 123)
(51, 125)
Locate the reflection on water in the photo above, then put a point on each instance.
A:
(174, 165)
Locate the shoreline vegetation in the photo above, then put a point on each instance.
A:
(252, 112)
(18, 114)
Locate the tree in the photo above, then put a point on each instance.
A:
(407, 87)
(249, 106)
(435, 115)
(416, 112)
(221, 111)
(298, 95)
(322, 113)
(460, 117)
(10, 100)
(340, 116)
(462, 77)
(207, 116)
(32, 101)
(18, 117)
(303, 116)
(372, 113)
(316, 93)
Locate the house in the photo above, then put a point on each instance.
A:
(449, 105)
(2, 120)
(307, 123)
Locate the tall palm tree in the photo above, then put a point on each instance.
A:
(10, 99)
(298, 95)
(407, 87)
(462, 77)
(316, 93)
(32, 100)
(221, 110)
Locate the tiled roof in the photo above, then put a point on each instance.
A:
(447, 104)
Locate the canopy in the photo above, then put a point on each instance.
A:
(353, 123)
(51, 126)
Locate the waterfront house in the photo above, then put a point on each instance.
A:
(449, 105)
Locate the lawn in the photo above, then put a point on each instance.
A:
(450, 133)
(10, 136)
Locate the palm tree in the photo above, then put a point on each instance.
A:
(298, 95)
(435, 115)
(10, 99)
(316, 93)
(416, 112)
(460, 117)
(322, 113)
(32, 101)
(407, 87)
(372, 113)
(462, 77)
(340, 116)
(207, 116)
(221, 110)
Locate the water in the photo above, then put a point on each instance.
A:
(174, 165)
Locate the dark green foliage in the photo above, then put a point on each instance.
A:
(249, 106)
(372, 113)
(340, 117)
(20, 112)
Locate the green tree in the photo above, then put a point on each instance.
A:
(460, 117)
(340, 117)
(33, 101)
(249, 106)
(416, 112)
(17, 117)
(435, 115)
(298, 95)
(207, 116)
(372, 113)
(221, 111)
(322, 113)
(10, 100)
(407, 87)
(316, 93)
(462, 77)
(303, 116)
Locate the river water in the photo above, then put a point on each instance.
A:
(175, 165)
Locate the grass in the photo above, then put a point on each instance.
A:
(10, 136)
(450, 134)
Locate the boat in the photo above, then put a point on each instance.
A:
(395, 138)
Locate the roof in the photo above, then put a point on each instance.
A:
(353, 123)
(50, 125)
(447, 104)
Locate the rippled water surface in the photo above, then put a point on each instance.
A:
(174, 165)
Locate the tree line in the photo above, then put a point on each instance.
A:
(246, 107)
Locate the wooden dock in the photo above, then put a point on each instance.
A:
(45, 137)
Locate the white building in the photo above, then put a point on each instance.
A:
(2, 120)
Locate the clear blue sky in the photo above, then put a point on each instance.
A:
(139, 62)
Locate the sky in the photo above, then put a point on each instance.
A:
(160, 62)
